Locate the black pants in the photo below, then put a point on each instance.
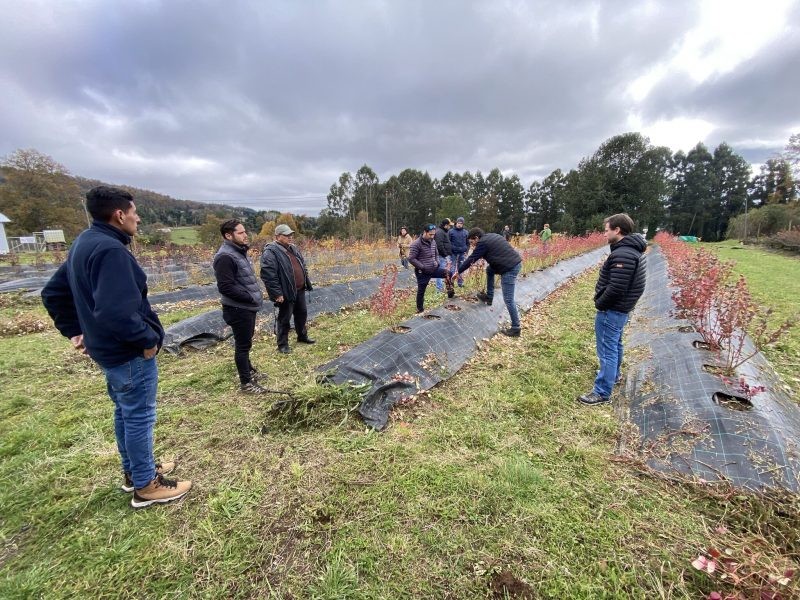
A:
(243, 323)
(422, 282)
(286, 310)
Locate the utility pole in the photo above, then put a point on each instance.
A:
(386, 211)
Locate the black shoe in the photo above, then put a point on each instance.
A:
(591, 399)
(511, 331)
(484, 298)
(284, 350)
(251, 388)
(306, 340)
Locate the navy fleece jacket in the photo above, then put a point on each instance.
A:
(101, 292)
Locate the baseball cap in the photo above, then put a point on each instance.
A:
(429, 227)
(283, 229)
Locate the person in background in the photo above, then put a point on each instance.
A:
(404, 243)
(459, 247)
(241, 299)
(442, 239)
(98, 299)
(501, 259)
(545, 236)
(619, 286)
(506, 233)
(425, 258)
(285, 276)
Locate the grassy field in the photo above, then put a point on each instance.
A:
(496, 484)
(774, 282)
(184, 235)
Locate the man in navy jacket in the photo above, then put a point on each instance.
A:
(459, 246)
(98, 299)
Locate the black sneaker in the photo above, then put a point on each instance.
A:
(252, 388)
(484, 298)
(306, 340)
(284, 350)
(592, 399)
(511, 331)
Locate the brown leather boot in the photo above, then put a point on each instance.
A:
(160, 490)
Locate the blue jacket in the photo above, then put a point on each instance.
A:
(458, 240)
(101, 292)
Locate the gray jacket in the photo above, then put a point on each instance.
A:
(236, 280)
(277, 273)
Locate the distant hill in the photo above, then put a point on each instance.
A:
(160, 208)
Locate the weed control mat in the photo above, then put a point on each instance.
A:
(420, 352)
(207, 329)
(674, 421)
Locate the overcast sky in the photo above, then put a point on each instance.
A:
(265, 103)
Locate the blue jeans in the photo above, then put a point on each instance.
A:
(608, 326)
(132, 387)
(508, 281)
(442, 266)
(455, 262)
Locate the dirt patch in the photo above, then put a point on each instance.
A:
(505, 585)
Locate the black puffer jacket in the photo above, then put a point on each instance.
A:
(622, 277)
(443, 245)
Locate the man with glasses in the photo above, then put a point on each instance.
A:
(284, 274)
(241, 299)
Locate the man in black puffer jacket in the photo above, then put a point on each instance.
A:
(619, 287)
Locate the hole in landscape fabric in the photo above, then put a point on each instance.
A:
(453, 307)
(686, 329)
(431, 316)
(701, 345)
(732, 402)
(714, 369)
(399, 329)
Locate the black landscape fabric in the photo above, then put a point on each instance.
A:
(208, 328)
(420, 352)
(675, 423)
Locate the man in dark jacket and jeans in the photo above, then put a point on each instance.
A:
(425, 258)
(501, 259)
(98, 299)
(619, 287)
(241, 299)
(284, 274)
(459, 246)
(443, 248)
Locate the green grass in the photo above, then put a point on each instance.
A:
(184, 235)
(497, 471)
(774, 282)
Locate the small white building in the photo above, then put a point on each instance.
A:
(3, 238)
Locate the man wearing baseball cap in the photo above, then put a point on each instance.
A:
(425, 258)
(284, 274)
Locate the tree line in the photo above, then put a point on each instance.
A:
(700, 192)
(693, 193)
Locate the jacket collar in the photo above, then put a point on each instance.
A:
(111, 231)
(237, 247)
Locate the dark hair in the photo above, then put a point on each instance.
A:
(103, 201)
(621, 220)
(404, 227)
(475, 233)
(445, 223)
(228, 226)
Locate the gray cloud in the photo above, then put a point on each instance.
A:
(250, 102)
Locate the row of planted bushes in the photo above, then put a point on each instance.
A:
(718, 304)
